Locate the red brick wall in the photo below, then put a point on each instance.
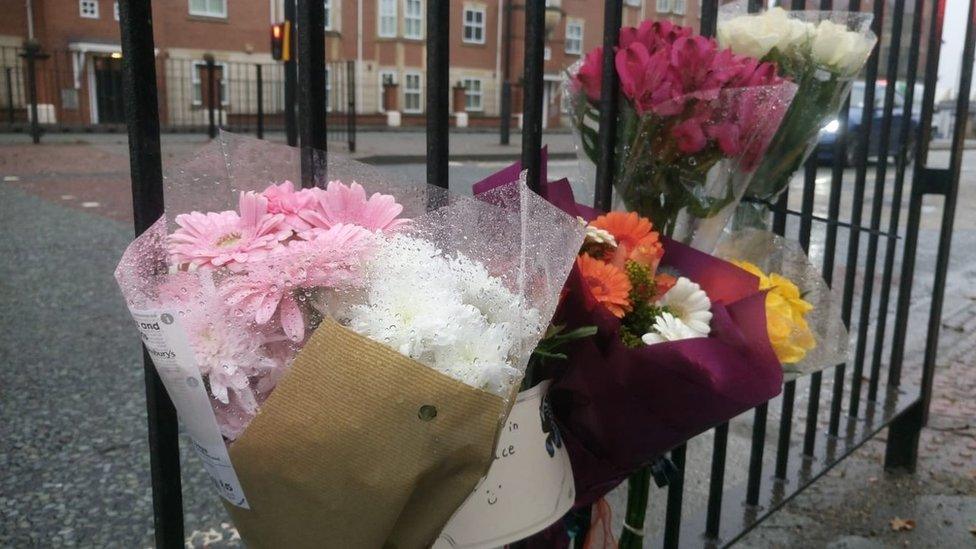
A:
(14, 20)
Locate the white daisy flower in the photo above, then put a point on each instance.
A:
(690, 304)
(596, 235)
(668, 327)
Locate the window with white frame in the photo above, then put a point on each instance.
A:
(88, 9)
(473, 94)
(678, 7)
(413, 19)
(663, 6)
(384, 77)
(208, 8)
(574, 36)
(474, 25)
(412, 92)
(200, 71)
(115, 9)
(327, 5)
(388, 19)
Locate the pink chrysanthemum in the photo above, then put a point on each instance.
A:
(331, 259)
(216, 239)
(231, 357)
(347, 204)
(284, 199)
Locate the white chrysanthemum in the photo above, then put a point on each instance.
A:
(490, 296)
(449, 314)
(668, 327)
(690, 304)
(480, 358)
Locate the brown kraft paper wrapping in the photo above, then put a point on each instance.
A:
(339, 455)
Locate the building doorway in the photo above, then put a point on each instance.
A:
(108, 89)
(551, 103)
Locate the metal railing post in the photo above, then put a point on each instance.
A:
(10, 95)
(505, 115)
(32, 52)
(351, 105)
(535, 38)
(310, 30)
(612, 16)
(438, 90)
(291, 78)
(505, 122)
(145, 161)
(260, 98)
(211, 120)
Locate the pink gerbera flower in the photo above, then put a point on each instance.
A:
(284, 199)
(347, 204)
(216, 239)
(274, 288)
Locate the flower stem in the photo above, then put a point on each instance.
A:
(638, 490)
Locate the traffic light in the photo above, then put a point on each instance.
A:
(281, 41)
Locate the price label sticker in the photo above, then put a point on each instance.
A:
(172, 355)
(529, 485)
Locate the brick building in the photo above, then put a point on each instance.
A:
(79, 81)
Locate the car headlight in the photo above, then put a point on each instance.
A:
(831, 126)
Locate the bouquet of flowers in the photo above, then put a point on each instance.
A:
(694, 123)
(803, 315)
(822, 52)
(681, 345)
(342, 356)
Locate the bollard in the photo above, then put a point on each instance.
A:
(260, 102)
(32, 52)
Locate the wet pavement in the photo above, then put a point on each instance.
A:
(73, 455)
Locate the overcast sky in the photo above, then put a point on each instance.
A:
(953, 35)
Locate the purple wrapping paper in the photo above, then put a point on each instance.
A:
(619, 407)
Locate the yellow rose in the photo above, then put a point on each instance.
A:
(789, 333)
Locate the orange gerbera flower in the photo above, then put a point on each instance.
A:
(664, 282)
(608, 284)
(636, 238)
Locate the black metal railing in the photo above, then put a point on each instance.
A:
(823, 212)
(82, 91)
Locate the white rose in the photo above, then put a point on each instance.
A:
(840, 49)
(756, 35)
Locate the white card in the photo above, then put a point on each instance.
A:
(172, 355)
(529, 485)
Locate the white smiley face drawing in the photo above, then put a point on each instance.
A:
(492, 495)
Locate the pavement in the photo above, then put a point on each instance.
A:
(73, 452)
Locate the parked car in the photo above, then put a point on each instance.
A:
(829, 133)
